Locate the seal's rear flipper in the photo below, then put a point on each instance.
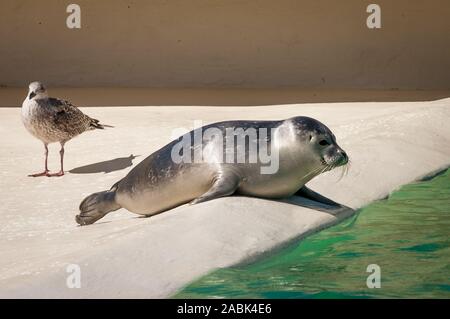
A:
(225, 184)
(95, 206)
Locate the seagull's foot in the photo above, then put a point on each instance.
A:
(44, 173)
(60, 173)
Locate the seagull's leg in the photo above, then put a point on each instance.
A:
(45, 172)
(61, 154)
(46, 157)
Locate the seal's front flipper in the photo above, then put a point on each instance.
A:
(225, 184)
(310, 194)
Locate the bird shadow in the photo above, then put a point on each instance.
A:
(115, 164)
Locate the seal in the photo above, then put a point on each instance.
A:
(207, 163)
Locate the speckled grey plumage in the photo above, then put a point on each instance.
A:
(53, 120)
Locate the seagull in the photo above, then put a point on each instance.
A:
(53, 120)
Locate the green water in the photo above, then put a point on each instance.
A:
(407, 235)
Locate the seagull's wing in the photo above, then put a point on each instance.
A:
(68, 117)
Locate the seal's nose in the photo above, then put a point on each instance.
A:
(344, 156)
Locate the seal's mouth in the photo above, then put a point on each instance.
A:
(338, 159)
(334, 162)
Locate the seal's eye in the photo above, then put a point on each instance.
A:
(324, 142)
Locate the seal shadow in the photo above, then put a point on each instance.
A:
(298, 200)
(322, 207)
(115, 164)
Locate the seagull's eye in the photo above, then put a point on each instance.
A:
(324, 142)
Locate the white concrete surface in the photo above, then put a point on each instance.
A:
(390, 144)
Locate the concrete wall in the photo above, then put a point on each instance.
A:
(226, 44)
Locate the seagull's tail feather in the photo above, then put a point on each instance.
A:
(95, 124)
(97, 205)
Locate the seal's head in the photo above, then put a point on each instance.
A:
(326, 153)
(36, 90)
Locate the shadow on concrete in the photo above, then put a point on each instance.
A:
(322, 207)
(331, 208)
(105, 166)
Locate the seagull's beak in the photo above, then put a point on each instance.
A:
(32, 95)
